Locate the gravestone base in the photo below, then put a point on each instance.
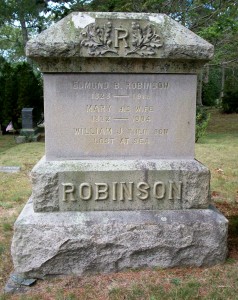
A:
(26, 135)
(36, 137)
(29, 132)
(83, 243)
(110, 185)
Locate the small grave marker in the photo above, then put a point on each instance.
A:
(10, 169)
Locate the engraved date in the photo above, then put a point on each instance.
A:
(100, 119)
(101, 96)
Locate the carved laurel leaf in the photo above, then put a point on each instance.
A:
(146, 53)
(97, 39)
(144, 40)
(148, 33)
(155, 44)
(88, 43)
(108, 29)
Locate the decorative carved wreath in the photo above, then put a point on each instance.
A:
(98, 40)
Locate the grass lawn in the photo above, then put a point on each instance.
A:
(218, 150)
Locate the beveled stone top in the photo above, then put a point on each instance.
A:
(131, 36)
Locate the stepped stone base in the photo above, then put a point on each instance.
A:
(27, 135)
(98, 185)
(20, 139)
(29, 132)
(109, 241)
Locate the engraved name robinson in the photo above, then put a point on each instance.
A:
(121, 191)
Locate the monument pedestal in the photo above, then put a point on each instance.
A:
(84, 185)
(91, 242)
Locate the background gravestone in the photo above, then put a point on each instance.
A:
(29, 129)
(28, 118)
(119, 186)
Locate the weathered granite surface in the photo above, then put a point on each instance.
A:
(65, 38)
(119, 116)
(154, 185)
(92, 242)
(75, 43)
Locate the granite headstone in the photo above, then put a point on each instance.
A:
(29, 131)
(28, 118)
(119, 186)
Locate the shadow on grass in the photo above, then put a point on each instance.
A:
(233, 237)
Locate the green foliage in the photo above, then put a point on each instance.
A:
(11, 44)
(202, 119)
(20, 87)
(18, 19)
(230, 102)
(7, 92)
(29, 88)
(211, 89)
(230, 99)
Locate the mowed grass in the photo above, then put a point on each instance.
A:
(214, 283)
(15, 189)
(6, 142)
(218, 150)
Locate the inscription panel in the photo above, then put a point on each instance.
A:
(119, 116)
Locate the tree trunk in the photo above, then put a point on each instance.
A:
(24, 31)
(222, 82)
(24, 34)
(199, 88)
(206, 75)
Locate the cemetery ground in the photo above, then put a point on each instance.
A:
(218, 151)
